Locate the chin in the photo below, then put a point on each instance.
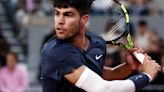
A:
(61, 37)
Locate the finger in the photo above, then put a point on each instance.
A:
(140, 50)
(138, 46)
(149, 58)
(159, 68)
(153, 61)
(146, 58)
(132, 50)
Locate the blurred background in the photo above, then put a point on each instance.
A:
(25, 25)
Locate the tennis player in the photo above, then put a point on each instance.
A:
(73, 60)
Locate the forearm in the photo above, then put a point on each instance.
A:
(91, 82)
(121, 71)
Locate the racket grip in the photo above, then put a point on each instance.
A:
(139, 56)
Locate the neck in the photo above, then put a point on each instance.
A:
(81, 41)
(11, 69)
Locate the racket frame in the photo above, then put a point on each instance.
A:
(130, 42)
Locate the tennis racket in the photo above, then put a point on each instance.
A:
(117, 28)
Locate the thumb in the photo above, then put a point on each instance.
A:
(130, 61)
(129, 58)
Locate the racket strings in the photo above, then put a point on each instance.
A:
(116, 30)
(118, 25)
(114, 21)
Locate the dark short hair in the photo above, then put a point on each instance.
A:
(82, 6)
(142, 23)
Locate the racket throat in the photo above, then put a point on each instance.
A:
(118, 44)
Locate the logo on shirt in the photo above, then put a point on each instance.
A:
(97, 57)
(140, 76)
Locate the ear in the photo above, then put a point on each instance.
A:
(84, 19)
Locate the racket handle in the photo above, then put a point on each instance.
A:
(139, 56)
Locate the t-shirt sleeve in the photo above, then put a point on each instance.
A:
(61, 61)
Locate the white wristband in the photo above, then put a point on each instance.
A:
(150, 78)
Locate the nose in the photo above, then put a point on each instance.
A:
(60, 20)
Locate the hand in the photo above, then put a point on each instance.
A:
(131, 60)
(150, 67)
(138, 49)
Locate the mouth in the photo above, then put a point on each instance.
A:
(60, 30)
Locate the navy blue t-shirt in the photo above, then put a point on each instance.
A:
(61, 57)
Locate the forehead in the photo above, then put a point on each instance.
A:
(69, 9)
(9, 54)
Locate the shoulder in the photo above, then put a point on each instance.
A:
(22, 68)
(56, 49)
(55, 44)
(59, 58)
(3, 72)
(95, 38)
(3, 69)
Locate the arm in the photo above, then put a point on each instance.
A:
(119, 72)
(2, 85)
(89, 81)
(23, 83)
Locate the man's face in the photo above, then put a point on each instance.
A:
(67, 22)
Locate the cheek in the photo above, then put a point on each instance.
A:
(72, 24)
(9, 62)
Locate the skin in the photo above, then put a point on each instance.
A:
(11, 62)
(69, 25)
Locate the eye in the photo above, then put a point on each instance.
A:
(69, 14)
(56, 13)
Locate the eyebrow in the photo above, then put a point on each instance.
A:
(64, 12)
(55, 10)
